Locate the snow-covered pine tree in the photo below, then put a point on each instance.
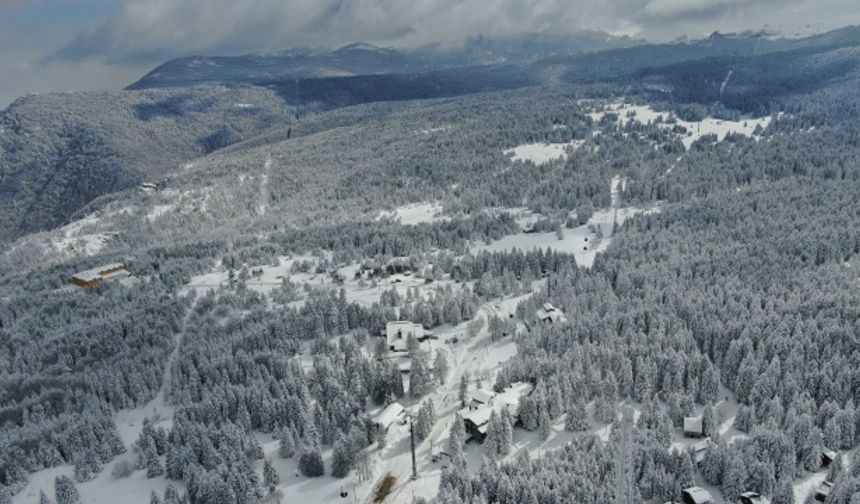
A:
(270, 475)
(65, 491)
(506, 440)
(286, 443)
(342, 457)
(440, 366)
(311, 462)
(577, 417)
(456, 438)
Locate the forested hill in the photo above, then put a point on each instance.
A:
(60, 152)
(665, 229)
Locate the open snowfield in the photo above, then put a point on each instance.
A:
(541, 153)
(644, 114)
(583, 242)
(416, 213)
(104, 489)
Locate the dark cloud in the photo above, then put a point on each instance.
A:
(133, 34)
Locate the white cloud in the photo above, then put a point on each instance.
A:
(679, 8)
(165, 28)
(27, 71)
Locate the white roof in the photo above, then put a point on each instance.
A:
(483, 396)
(699, 495)
(509, 399)
(693, 424)
(755, 498)
(399, 323)
(388, 415)
(96, 273)
(548, 311)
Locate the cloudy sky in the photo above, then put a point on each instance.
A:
(101, 44)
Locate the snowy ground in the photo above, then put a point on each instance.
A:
(416, 213)
(540, 153)
(105, 489)
(645, 114)
(583, 242)
(365, 292)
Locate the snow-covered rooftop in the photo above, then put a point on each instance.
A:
(100, 273)
(693, 424)
(509, 399)
(483, 396)
(388, 415)
(699, 495)
(754, 498)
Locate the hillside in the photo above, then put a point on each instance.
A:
(627, 275)
(61, 151)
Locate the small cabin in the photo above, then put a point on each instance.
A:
(697, 495)
(754, 498)
(93, 277)
(822, 492)
(480, 398)
(397, 333)
(693, 427)
(476, 417)
(550, 314)
(389, 415)
(700, 450)
(827, 457)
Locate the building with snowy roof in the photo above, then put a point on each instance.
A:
(398, 332)
(822, 492)
(827, 457)
(390, 414)
(480, 398)
(697, 495)
(476, 419)
(754, 498)
(550, 314)
(700, 450)
(92, 277)
(693, 427)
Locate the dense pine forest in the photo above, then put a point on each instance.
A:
(573, 252)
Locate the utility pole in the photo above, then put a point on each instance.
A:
(412, 442)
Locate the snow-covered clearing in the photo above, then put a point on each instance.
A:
(104, 489)
(264, 187)
(810, 482)
(81, 238)
(584, 242)
(269, 277)
(430, 131)
(644, 114)
(416, 213)
(540, 153)
(157, 211)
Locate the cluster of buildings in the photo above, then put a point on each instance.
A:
(482, 403)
